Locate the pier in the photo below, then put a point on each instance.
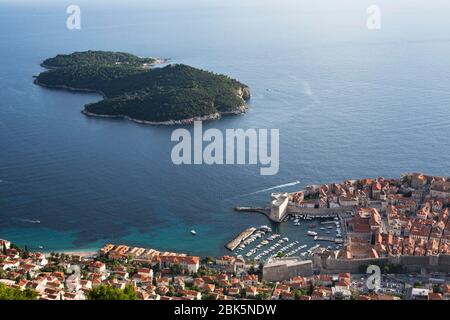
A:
(328, 222)
(330, 239)
(265, 211)
(239, 238)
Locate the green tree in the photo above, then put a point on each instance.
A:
(298, 293)
(176, 269)
(208, 296)
(108, 292)
(311, 289)
(208, 260)
(7, 293)
(262, 296)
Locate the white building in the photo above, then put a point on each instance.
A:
(348, 201)
(279, 206)
(4, 244)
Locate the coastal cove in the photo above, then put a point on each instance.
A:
(346, 101)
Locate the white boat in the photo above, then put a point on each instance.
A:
(193, 232)
(311, 233)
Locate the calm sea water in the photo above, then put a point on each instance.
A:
(349, 103)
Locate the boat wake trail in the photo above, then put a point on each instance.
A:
(290, 184)
(28, 220)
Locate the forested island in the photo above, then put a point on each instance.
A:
(174, 94)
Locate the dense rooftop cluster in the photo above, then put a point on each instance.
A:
(149, 274)
(392, 217)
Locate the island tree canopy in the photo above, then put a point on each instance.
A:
(131, 89)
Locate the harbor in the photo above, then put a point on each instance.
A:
(262, 243)
(297, 235)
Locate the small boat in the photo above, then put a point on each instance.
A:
(41, 247)
(36, 221)
(193, 232)
(311, 233)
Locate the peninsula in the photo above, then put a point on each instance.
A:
(131, 89)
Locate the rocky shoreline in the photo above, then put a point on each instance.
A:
(67, 88)
(214, 116)
(243, 92)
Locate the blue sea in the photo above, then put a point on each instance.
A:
(349, 103)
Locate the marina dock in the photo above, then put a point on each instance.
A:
(330, 239)
(239, 238)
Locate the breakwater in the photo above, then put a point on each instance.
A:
(239, 238)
